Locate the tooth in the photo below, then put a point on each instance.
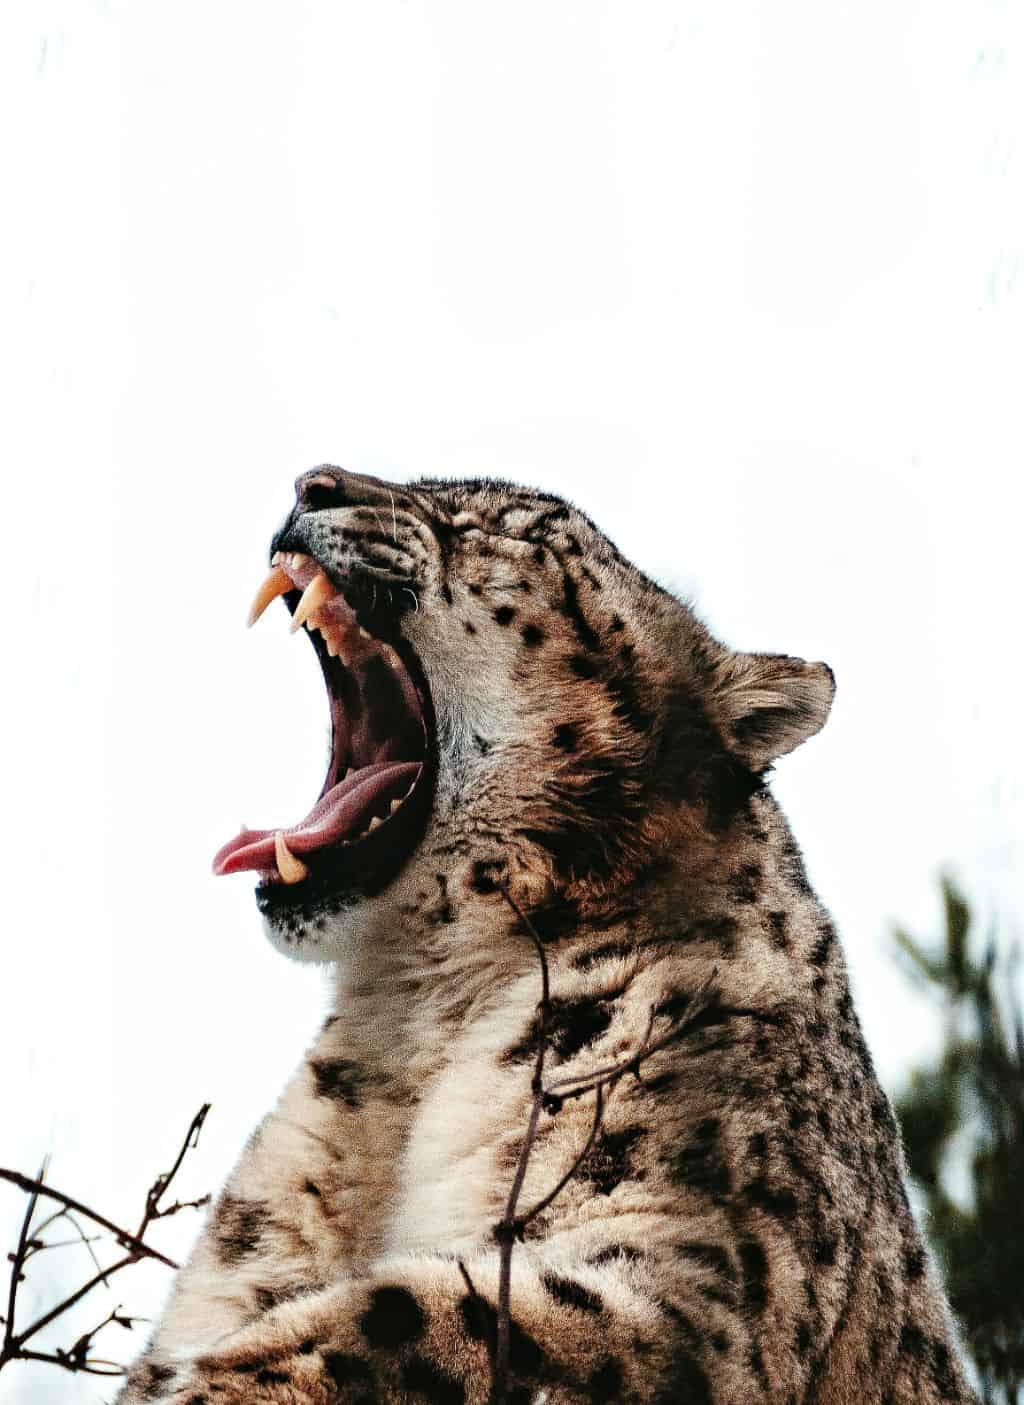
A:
(291, 869)
(395, 805)
(299, 559)
(275, 560)
(373, 824)
(364, 633)
(317, 593)
(391, 656)
(277, 583)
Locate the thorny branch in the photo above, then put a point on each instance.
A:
(550, 1097)
(78, 1357)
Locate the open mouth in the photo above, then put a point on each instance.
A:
(376, 794)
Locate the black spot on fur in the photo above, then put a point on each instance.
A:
(582, 665)
(393, 1318)
(773, 1200)
(238, 1225)
(609, 1162)
(758, 1367)
(660, 1083)
(824, 1246)
(754, 1267)
(267, 1297)
(605, 1381)
(612, 1253)
(424, 1378)
(943, 1372)
(584, 960)
(480, 1323)
(556, 918)
(627, 707)
(914, 1262)
(686, 1381)
(475, 589)
(343, 1369)
(469, 626)
(481, 745)
(446, 593)
(745, 883)
(339, 1079)
(571, 1026)
(486, 876)
(700, 1165)
(504, 614)
(566, 736)
(913, 1342)
(823, 946)
(572, 1294)
(711, 1256)
(532, 635)
(153, 1380)
(266, 1376)
(777, 924)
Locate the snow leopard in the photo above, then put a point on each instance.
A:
(546, 836)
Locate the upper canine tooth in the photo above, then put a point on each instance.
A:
(317, 593)
(374, 823)
(391, 656)
(277, 583)
(291, 869)
(299, 558)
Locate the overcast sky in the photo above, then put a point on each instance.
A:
(743, 280)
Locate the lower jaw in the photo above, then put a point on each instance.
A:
(342, 873)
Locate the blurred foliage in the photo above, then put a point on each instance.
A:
(963, 1122)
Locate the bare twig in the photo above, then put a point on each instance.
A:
(30, 1242)
(163, 1181)
(125, 1239)
(550, 1098)
(18, 1261)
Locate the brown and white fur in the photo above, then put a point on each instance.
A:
(740, 1230)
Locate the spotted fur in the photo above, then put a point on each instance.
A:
(739, 1230)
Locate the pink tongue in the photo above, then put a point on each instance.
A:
(344, 812)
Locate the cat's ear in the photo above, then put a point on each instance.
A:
(765, 705)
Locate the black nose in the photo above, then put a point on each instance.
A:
(328, 486)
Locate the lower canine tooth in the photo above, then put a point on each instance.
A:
(373, 824)
(291, 869)
(395, 805)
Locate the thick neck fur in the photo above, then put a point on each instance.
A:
(429, 1000)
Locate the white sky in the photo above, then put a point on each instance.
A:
(743, 280)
